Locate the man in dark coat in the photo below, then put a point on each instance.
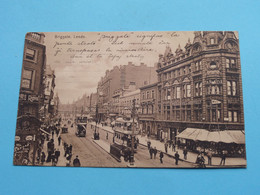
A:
(154, 152)
(161, 157)
(57, 155)
(43, 156)
(76, 162)
(177, 157)
(151, 152)
(185, 152)
(59, 140)
(166, 147)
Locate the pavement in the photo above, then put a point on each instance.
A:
(191, 156)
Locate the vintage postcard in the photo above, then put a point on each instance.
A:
(131, 99)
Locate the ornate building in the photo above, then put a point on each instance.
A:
(200, 86)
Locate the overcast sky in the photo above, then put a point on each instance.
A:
(95, 52)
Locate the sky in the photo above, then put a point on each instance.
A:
(80, 59)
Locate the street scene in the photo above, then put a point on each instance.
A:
(131, 99)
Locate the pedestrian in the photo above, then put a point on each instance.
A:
(70, 148)
(154, 152)
(185, 152)
(173, 147)
(209, 154)
(59, 140)
(53, 159)
(43, 156)
(148, 144)
(68, 158)
(76, 162)
(223, 158)
(151, 152)
(57, 155)
(177, 157)
(52, 134)
(161, 157)
(166, 147)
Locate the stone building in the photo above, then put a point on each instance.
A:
(200, 86)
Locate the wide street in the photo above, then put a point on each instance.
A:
(92, 155)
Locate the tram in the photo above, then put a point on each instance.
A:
(81, 125)
(123, 133)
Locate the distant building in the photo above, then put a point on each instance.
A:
(121, 77)
(126, 103)
(148, 108)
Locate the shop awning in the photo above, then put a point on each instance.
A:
(227, 136)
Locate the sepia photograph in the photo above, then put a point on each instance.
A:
(150, 99)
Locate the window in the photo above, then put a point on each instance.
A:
(231, 88)
(168, 94)
(234, 88)
(30, 54)
(188, 90)
(197, 65)
(230, 63)
(235, 116)
(143, 96)
(178, 93)
(147, 94)
(27, 79)
(198, 89)
(153, 94)
(227, 63)
(212, 41)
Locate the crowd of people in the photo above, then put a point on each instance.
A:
(53, 152)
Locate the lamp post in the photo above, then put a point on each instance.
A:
(133, 130)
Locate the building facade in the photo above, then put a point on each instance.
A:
(148, 109)
(200, 86)
(31, 99)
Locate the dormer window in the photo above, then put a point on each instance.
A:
(212, 41)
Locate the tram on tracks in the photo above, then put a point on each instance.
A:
(81, 125)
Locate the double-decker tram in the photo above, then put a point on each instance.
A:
(81, 125)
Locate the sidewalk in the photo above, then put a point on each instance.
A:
(62, 159)
(191, 157)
